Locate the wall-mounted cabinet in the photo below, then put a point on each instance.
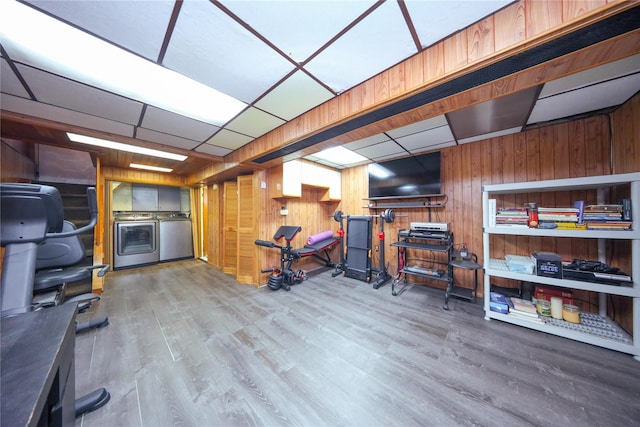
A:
(289, 178)
(127, 196)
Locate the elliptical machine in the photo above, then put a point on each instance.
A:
(31, 214)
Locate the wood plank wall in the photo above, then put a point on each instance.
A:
(17, 161)
(571, 149)
(625, 140)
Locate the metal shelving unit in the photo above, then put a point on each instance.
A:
(419, 265)
(617, 339)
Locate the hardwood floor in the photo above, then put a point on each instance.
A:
(189, 346)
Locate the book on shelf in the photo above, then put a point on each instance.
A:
(525, 316)
(546, 292)
(561, 225)
(603, 208)
(499, 303)
(608, 225)
(579, 205)
(492, 212)
(523, 305)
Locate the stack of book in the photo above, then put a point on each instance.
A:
(605, 217)
(516, 307)
(562, 218)
(512, 217)
(524, 309)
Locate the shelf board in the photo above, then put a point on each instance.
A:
(584, 234)
(590, 182)
(626, 291)
(415, 196)
(426, 205)
(412, 245)
(443, 278)
(566, 333)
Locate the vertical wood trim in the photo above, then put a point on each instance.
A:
(97, 283)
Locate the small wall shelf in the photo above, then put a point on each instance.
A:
(408, 202)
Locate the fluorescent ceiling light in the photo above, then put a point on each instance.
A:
(83, 139)
(44, 42)
(149, 168)
(340, 156)
(379, 171)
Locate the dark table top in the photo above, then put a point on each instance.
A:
(30, 349)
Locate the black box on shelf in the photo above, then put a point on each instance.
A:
(548, 264)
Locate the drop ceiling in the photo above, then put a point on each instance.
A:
(282, 58)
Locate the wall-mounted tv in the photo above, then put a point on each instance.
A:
(410, 176)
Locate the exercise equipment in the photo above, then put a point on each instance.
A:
(318, 246)
(357, 262)
(31, 214)
(283, 277)
(57, 262)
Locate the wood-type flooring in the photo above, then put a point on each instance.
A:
(189, 346)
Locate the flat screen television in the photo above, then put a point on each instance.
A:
(410, 176)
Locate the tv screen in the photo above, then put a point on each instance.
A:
(410, 176)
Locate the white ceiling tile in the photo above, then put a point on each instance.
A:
(426, 139)
(213, 150)
(298, 28)
(383, 149)
(57, 114)
(435, 19)
(378, 42)
(496, 134)
(390, 156)
(165, 139)
(171, 123)
(52, 89)
(9, 82)
(433, 148)
(286, 101)
(210, 47)
(138, 26)
(330, 164)
(431, 123)
(590, 98)
(254, 122)
(365, 142)
(599, 74)
(228, 139)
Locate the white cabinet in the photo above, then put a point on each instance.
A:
(496, 267)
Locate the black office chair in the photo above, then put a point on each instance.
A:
(29, 215)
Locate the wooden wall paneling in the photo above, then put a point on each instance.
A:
(481, 39)
(574, 8)
(99, 243)
(17, 166)
(625, 139)
(625, 122)
(541, 16)
(230, 228)
(509, 24)
(456, 51)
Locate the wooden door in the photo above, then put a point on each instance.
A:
(247, 231)
(230, 228)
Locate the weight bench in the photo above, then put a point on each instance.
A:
(318, 248)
